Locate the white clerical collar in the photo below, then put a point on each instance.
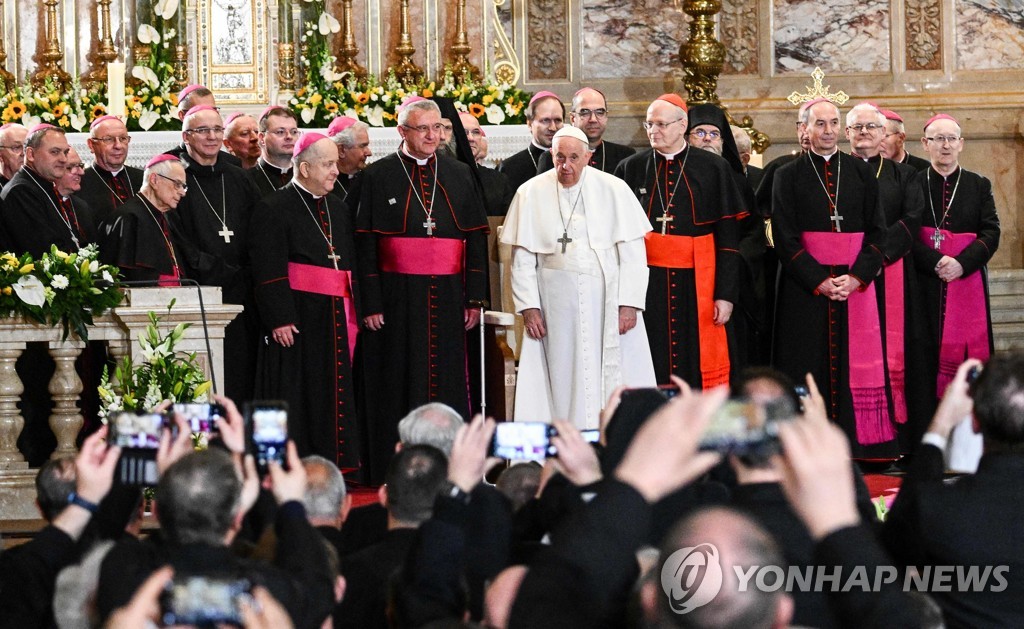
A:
(284, 171)
(419, 162)
(115, 173)
(299, 185)
(539, 147)
(826, 157)
(671, 156)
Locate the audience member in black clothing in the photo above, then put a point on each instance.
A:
(974, 521)
(414, 478)
(327, 502)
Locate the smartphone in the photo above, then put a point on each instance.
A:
(522, 441)
(669, 391)
(269, 429)
(203, 601)
(136, 431)
(201, 417)
(746, 428)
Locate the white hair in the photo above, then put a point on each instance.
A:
(852, 114)
(420, 105)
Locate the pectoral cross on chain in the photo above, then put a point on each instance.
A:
(226, 233)
(430, 225)
(333, 257)
(664, 219)
(564, 240)
(937, 239)
(835, 218)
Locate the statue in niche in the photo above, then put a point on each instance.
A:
(232, 45)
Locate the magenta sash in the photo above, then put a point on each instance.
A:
(965, 320)
(420, 256)
(866, 364)
(894, 335)
(310, 278)
(168, 280)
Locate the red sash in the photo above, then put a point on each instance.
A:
(168, 280)
(866, 364)
(420, 256)
(894, 335)
(697, 253)
(965, 320)
(309, 278)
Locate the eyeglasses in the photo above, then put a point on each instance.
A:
(648, 124)
(79, 165)
(943, 139)
(703, 133)
(476, 133)
(207, 131)
(596, 113)
(423, 128)
(889, 135)
(14, 148)
(180, 185)
(281, 133)
(548, 122)
(871, 126)
(120, 139)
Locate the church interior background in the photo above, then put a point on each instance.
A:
(918, 57)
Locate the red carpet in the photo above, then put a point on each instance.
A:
(362, 495)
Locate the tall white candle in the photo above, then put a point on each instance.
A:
(115, 88)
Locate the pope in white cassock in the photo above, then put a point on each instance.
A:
(579, 278)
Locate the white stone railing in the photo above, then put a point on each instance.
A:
(120, 329)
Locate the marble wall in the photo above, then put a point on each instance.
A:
(630, 37)
(989, 34)
(841, 36)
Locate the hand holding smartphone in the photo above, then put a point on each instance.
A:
(268, 422)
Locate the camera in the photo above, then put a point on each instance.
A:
(529, 441)
(138, 436)
(746, 428)
(201, 418)
(268, 422)
(203, 601)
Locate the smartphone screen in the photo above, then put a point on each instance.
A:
(269, 433)
(203, 601)
(521, 441)
(136, 431)
(201, 417)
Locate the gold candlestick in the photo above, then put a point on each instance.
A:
(348, 51)
(52, 54)
(702, 55)
(6, 77)
(105, 52)
(462, 69)
(286, 66)
(180, 66)
(406, 71)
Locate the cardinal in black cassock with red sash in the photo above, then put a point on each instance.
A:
(829, 231)
(303, 258)
(691, 199)
(421, 239)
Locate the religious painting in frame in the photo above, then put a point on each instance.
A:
(232, 50)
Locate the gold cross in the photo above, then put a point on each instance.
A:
(818, 91)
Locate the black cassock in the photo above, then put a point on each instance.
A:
(811, 334)
(972, 210)
(216, 262)
(104, 191)
(522, 166)
(315, 374)
(902, 202)
(268, 178)
(606, 157)
(347, 188)
(419, 355)
(703, 202)
(35, 217)
(142, 242)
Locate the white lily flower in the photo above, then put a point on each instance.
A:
(494, 114)
(60, 282)
(148, 35)
(166, 8)
(375, 116)
(308, 114)
(351, 113)
(77, 121)
(147, 119)
(30, 290)
(107, 277)
(328, 24)
(146, 75)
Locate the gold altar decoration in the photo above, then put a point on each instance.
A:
(407, 71)
(818, 91)
(349, 51)
(286, 65)
(461, 67)
(52, 54)
(105, 52)
(703, 57)
(5, 76)
(180, 65)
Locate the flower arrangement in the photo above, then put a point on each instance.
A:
(68, 108)
(165, 374)
(376, 101)
(65, 288)
(153, 104)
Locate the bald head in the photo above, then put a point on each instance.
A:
(12, 149)
(590, 114)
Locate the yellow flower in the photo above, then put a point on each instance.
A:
(315, 99)
(301, 92)
(487, 99)
(174, 99)
(85, 100)
(62, 255)
(157, 101)
(63, 121)
(476, 109)
(7, 290)
(362, 98)
(388, 116)
(28, 268)
(202, 388)
(427, 92)
(331, 107)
